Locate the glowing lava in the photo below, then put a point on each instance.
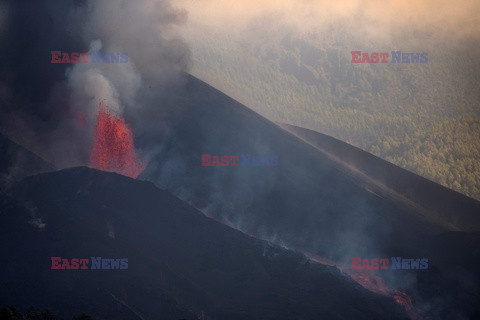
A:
(372, 282)
(113, 148)
(366, 278)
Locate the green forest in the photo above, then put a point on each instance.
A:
(422, 117)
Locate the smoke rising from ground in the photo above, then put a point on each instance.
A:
(61, 101)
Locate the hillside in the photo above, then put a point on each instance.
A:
(181, 264)
(383, 174)
(311, 201)
(322, 170)
(16, 162)
(421, 117)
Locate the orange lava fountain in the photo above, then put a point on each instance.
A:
(113, 149)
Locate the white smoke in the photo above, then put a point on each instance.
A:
(115, 83)
(51, 108)
(145, 31)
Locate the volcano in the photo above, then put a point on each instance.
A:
(184, 264)
(226, 243)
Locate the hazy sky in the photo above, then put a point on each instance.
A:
(458, 17)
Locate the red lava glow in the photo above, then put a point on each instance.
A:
(372, 282)
(403, 299)
(366, 278)
(113, 149)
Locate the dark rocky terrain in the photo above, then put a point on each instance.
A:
(180, 263)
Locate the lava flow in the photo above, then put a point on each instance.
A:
(113, 148)
(372, 282)
(366, 278)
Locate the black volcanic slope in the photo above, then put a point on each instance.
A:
(315, 201)
(457, 209)
(16, 162)
(309, 201)
(181, 264)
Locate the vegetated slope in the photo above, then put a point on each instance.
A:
(422, 117)
(181, 264)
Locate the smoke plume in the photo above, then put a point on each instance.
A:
(58, 103)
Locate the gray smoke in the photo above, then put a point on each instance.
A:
(61, 101)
